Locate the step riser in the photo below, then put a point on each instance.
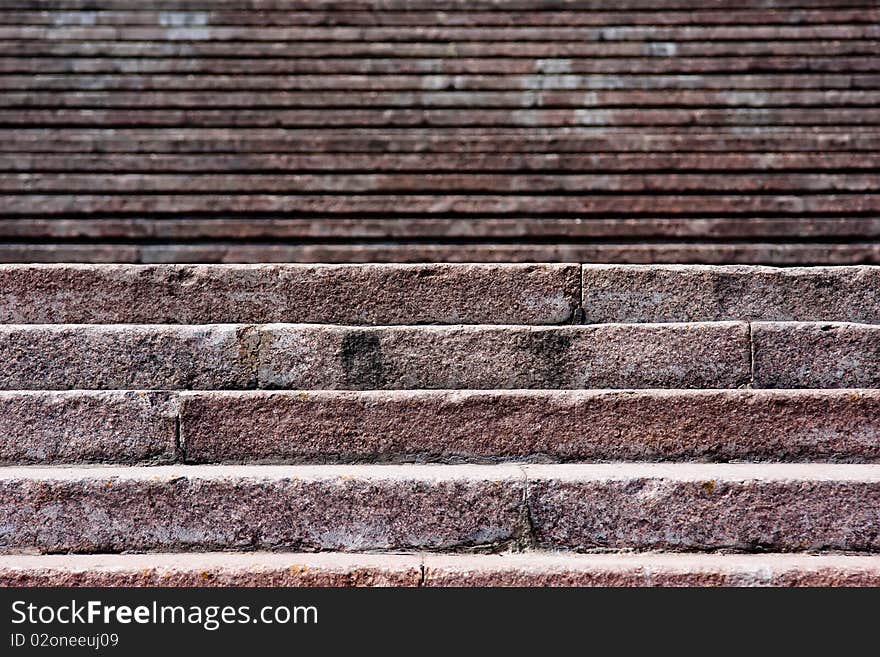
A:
(390, 294)
(580, 425)
(709, 355)
(401, 426)
(88, 427)
(222, 251)
(680, 508)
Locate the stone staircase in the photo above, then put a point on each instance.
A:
(439, 424)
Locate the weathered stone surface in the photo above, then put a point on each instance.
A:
(509, 569)
(743, 507)
(395, 231)
(78, 427)
(212, 569)
(712, 355)
(303, 508)
(365, 294)
(567, 569)
(397, 425)
(813, 355)
(698, 293)
(126, 356)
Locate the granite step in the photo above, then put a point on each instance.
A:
(683, 507)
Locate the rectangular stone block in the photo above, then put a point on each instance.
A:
(678, 293)
(816, 355)
(507, 569)
(199, 508)
(87, 427)
(127, 356)
(712, 355)
(346, 294)
(686, 507)
(448, 426)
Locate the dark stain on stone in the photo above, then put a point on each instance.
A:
(362, 360)
(550, 348)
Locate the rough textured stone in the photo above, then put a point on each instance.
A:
(77, 427)
(352, 508)
(364, 294)
(340, 426)
(212, 569)
(567, 569)
(859, 252)
(609, 356)
(810, 355)
(692, 293)
(126, 356)
(743, 507)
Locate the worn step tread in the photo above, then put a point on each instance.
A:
(419, 569)
(227, 249)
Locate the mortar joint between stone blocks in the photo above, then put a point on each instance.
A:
(749, 331)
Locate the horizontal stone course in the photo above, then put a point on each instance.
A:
(656, 293)
(83, 427)
(53, 427)
(344, 426)
(610, 356)
(509, 569)
(366, 294)
(680, 507)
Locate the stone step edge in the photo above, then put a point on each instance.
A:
(325, 426)
(238, 356)
(425, 569)
(686, 507)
